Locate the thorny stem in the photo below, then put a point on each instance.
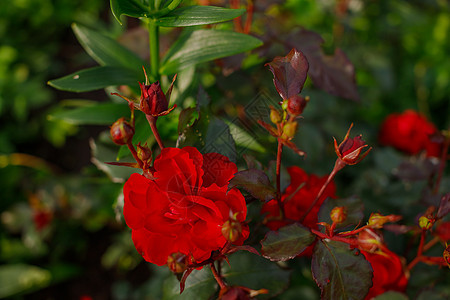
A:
(279, 152)
(133, 151)
(337, 167)
(442, 164)
(217, 276)
(152, 121)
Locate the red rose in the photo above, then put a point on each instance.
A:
(409, 132)
(296, 201)
(388, 273)
(184, 208)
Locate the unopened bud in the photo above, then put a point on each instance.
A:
(121, 132)
(177, 262)
(425, 222)
(153, 101)
(296, 104)
(275, 115)
(369, 240)
(289, 130)
(232, 230)
(143, 152)
(377, 220)
(338, 214)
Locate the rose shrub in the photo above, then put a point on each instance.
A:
(297, 199)
(409, 132)
(388, 273)
(182, 210)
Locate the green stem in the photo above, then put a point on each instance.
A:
(153, 34)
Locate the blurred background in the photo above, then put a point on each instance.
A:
(61, 230)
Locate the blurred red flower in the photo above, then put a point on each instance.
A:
(409, 132)
(388, 273)
(183, 209)
(297, 198)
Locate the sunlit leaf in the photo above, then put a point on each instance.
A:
(107, 51)
(204, 45)
(96, 78)
(96, 114)
(129, 8)
(286, 243)
(340, 272)
(198, 15)
(19, 278)
(289, 73)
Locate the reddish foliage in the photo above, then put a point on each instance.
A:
(184, 208)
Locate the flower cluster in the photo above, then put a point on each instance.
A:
(183, 209)
(297, 198)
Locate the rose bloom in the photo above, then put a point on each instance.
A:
(183, 209)
(296, 201)
(388, 273)
(409, 132)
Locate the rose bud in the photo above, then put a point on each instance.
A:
(232, 230)
(121, 132)
(369, 240)
(144, 153)
(275, 116)
(296, 104)
(153, 101)
(349, 151)
(377, 220)
(425, 223)
(177, 262)
(338, 214)
(289, 130)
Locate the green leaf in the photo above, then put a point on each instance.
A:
(340, 272)
(252, 271)
(96, 114)
(106, 51)
(96, 78)
(286, 243)
(199, 285)
(132, 8)
(255, 182)
(198, 15)
(354, 206)
(219, 140)
(204, 45)
(19, 278)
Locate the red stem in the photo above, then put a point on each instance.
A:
(248, 20)
(350, 241)
(136, 157)
(152, 121)
(217, 276)
(278, 174)
(337, 167)
(442, 164)
(419, 251)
